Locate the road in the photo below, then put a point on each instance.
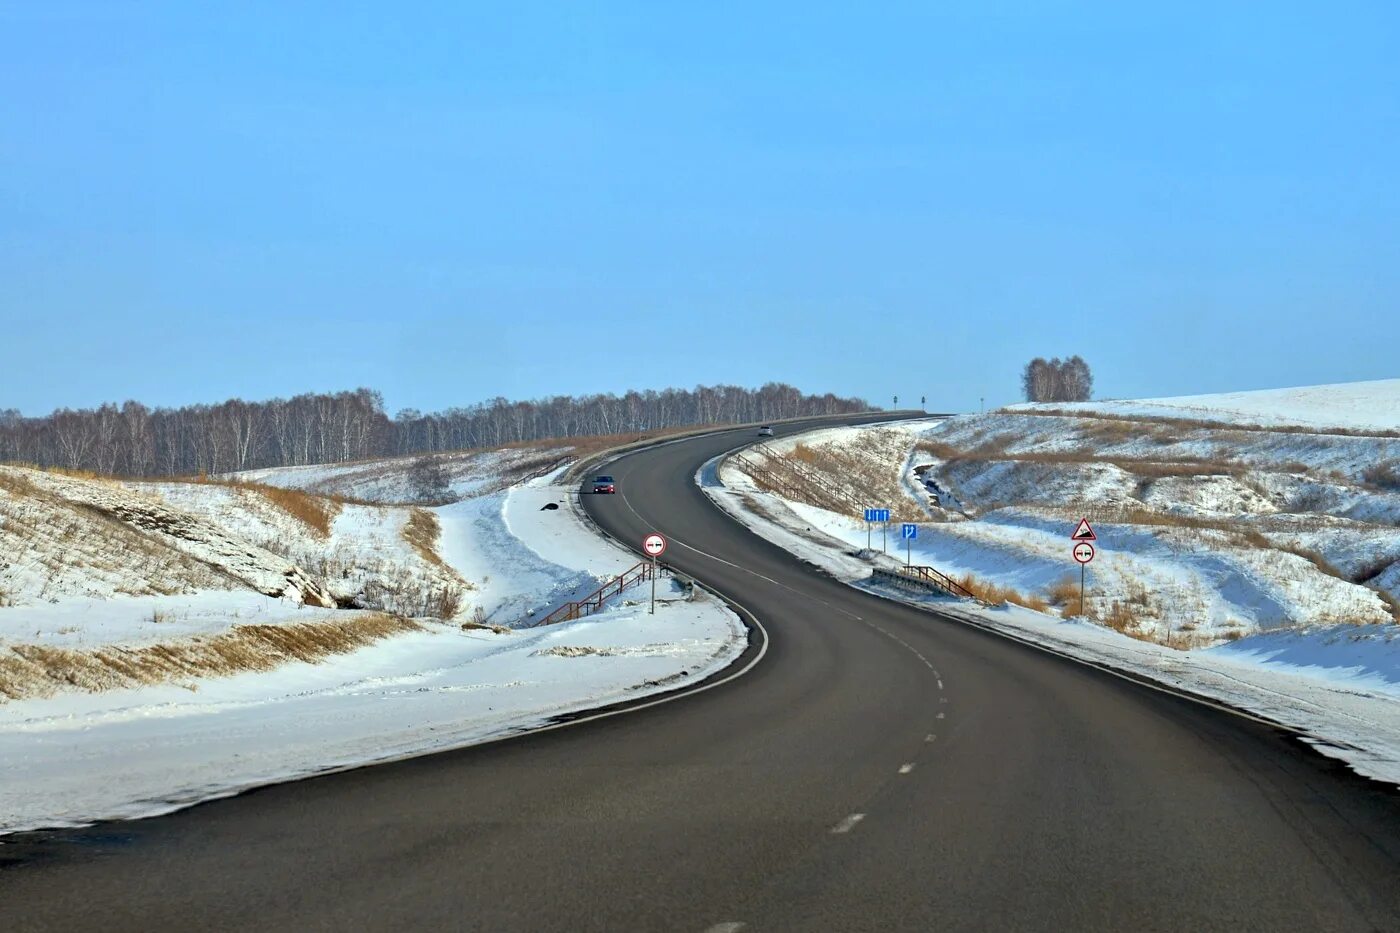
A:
(880, 768)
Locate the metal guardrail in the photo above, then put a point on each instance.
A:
(594, 601)
(922, 578)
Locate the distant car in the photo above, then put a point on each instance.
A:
(765, 431)
(604, 484)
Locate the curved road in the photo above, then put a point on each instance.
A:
(881, 768)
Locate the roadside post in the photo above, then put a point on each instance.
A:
(654, 545)
(1083, 552)
(909, 533)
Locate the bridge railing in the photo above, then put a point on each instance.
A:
(575, 609)
(928, 579)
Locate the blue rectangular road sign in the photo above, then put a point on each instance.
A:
(877, 515)
(909, 532)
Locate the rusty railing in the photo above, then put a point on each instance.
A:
(594, 601)
(924, 578)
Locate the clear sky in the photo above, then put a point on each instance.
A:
(450, 201)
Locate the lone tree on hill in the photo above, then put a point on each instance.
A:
(430, 480)
(1057, 380)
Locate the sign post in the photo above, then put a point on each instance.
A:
(874, 515)
(909, 533)
(1083, 553)
(654, 545)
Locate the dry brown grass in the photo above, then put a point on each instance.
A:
(1239, 533)
(839, 477)
(994, 594)
(991, 451)
(1163, 469)
(1064, 594)
(1383, 475)
(315, 512)
(38, 670)
(422, 532)
(66, 541)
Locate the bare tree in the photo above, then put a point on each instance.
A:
(1057, 380)
(1076, 381)
(429, 480)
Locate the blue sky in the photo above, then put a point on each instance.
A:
(452, 201)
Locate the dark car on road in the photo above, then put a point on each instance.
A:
(604, 484)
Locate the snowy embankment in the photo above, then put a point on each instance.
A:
(417, 479)
(1203, 581)
(74, 757)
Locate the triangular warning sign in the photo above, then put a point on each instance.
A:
(1084, 532)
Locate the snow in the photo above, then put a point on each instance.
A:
(81, 757)
(133, 621)
(65, 537)
(388, 482)
(78, 757)
(1338, 685)
(1362, 406)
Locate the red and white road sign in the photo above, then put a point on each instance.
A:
(654, 545)
(1084, 532)
(1084, 552)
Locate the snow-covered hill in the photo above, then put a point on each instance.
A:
(1209, 529)
(1244, 555)
(63, 537)
(422, 479)
(1354, 406)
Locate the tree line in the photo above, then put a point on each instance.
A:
(132, 439)
(1057, 380)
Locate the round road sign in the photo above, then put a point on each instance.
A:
(654, 545)
(1084, 552)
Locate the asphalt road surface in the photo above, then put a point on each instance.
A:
(878, 768)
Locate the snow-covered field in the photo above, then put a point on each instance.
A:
(1264, 585)
(1363, 406)
(74, 756)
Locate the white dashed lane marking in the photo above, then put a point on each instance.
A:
(848, 824)
(731, 927)
(906, 767)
